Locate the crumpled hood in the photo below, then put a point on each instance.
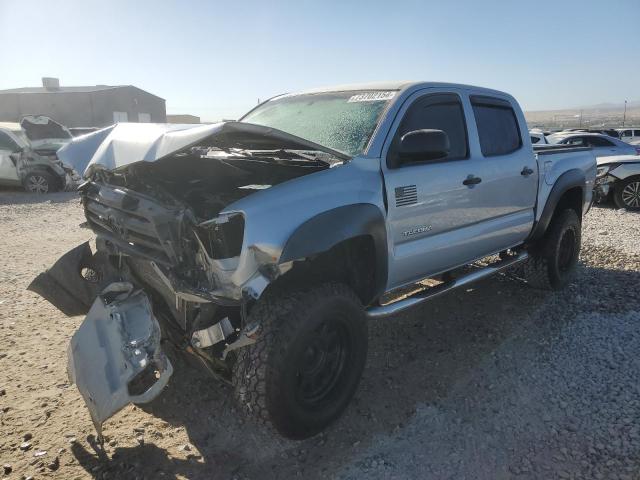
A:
(44, 133)
(618, 159)
(122, 144)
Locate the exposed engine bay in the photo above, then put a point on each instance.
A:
(161, 224)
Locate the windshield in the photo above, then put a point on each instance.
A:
(343, 121)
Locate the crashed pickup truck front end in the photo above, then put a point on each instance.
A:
(172, 265)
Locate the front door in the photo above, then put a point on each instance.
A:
(476, 201)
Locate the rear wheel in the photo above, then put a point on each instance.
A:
(627, 194)
(40, 182)
(554, 259)
(306, 365)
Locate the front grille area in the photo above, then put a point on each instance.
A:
(136, 224)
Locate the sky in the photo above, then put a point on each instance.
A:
(215, 59)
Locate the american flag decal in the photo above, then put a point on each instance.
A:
(406, 195)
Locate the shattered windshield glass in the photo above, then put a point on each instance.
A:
(343, 121)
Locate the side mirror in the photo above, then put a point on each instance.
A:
(423, 145)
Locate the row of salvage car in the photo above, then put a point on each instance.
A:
(618, 177)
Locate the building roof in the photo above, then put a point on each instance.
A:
(80, 89)
(89, 88)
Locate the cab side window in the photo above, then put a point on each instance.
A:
(497, 124)
(440, 111)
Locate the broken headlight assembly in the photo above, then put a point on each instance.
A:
(222, 236)
(603, 172)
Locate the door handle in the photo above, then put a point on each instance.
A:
(471, 180)
(526, 171)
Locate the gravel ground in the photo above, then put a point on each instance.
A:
(498, 381)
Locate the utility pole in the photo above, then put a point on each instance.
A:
(624, 115)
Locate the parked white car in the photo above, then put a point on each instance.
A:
(630, 135)
(537, 137)
(602, 145)
(619, 177)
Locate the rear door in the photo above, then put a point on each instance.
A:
(8, 171)
(474, 202)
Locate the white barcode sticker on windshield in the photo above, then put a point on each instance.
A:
(372, 97)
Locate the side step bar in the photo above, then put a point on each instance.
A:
(381, 311)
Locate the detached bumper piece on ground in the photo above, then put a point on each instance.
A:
(115, 356)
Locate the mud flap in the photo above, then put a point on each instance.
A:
(115, 357)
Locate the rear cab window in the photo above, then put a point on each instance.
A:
(497, 124)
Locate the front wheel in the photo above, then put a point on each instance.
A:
(307, 362)
(554, 259)
(627, 194)
(40, 182)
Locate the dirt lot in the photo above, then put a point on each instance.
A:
(498, 381)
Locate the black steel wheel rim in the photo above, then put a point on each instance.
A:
(322, 365)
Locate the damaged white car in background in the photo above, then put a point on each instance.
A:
(28, 155)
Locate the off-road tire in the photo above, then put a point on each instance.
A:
(41, 182)
(267, 375)
(631, 185)
(553, 261)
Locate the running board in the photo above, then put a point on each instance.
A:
(380, 311)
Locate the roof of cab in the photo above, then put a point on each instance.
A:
(400, 85)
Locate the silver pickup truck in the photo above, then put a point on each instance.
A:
(262, 247)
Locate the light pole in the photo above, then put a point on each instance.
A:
(624, 115)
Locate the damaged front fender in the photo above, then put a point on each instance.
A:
(115, 356)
